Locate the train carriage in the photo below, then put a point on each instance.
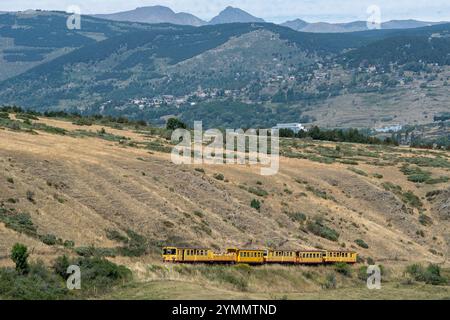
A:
(310, 256)
(228, 258)
(188, 255)
(170, 254)
(280, 256)
(249, 256)
(336, 256)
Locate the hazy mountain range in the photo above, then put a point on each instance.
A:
(235, 74)
(301, 25)
(154, 14)
(161, 14)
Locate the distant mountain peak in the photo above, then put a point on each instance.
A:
(154, 14)
(296, 24)
(232, 15)
(155, 8)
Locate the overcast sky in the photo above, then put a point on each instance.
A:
(270, 10)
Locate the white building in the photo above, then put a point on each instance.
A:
(296, 127)
(393, 128)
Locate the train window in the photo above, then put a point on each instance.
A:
(169, 251)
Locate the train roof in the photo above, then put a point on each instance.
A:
(190, 248)
(253, 249)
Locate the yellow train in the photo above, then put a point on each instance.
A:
(257, 256)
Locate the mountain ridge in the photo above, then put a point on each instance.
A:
(154, 14)
(233, 15)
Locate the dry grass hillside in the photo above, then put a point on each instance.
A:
(85, 189)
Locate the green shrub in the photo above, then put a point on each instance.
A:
(137, 245)
(30, 196)
(49, 239)
(219, 176)
(69, 244)
(38, 284)
(362, 243)
(4, 115)
(319, 229)
(258, 191)
(343, 268)
(320, 193)
(330, 281)
(297, 216)
(255, 204)
(358, 171)
(115, 235)
(362, 273)
(410, 198)
(430, 275)
(174, 123)
(20, 222)
(19, 255)
(198, 214)
(425, 220)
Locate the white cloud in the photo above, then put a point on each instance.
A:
(271, 10)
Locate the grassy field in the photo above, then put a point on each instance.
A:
(174, 290)
(271, 282)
